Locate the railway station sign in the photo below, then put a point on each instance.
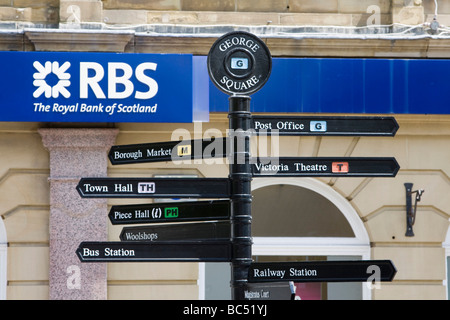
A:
(322, 271)
(170, 212)
(154, 187)
(325, 167)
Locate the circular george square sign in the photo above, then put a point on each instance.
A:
(239, 63)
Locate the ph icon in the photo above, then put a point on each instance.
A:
(171, 212)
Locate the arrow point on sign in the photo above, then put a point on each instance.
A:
(394, 270)
(397, 167)
(396, 126)
(78, 187)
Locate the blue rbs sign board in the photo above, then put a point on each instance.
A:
(353, 86)
(128, 87)
(96, 87)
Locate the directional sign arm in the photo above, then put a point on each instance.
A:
(323, 271)
(325, 125)
(270, 291)
(174, 251)
(137, 153)
(170, 212)
(168, 151)
(180, 231)
(154, 188)
(326, 167)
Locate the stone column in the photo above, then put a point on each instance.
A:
(76, 153)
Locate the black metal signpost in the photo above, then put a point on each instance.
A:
(239, 64)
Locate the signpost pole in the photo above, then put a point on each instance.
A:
(241, 198)
(239, 64)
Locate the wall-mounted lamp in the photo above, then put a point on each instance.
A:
(410, 211)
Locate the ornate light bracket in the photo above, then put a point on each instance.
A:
(410, 211)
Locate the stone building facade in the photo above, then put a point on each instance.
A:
(44, 219)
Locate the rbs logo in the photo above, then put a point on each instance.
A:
(43, 72)
(90, 74)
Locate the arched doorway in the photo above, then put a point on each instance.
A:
(297, 219)
(305, 219)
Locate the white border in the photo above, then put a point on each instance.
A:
(446, 246)
(201, 281)
(3, 256)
